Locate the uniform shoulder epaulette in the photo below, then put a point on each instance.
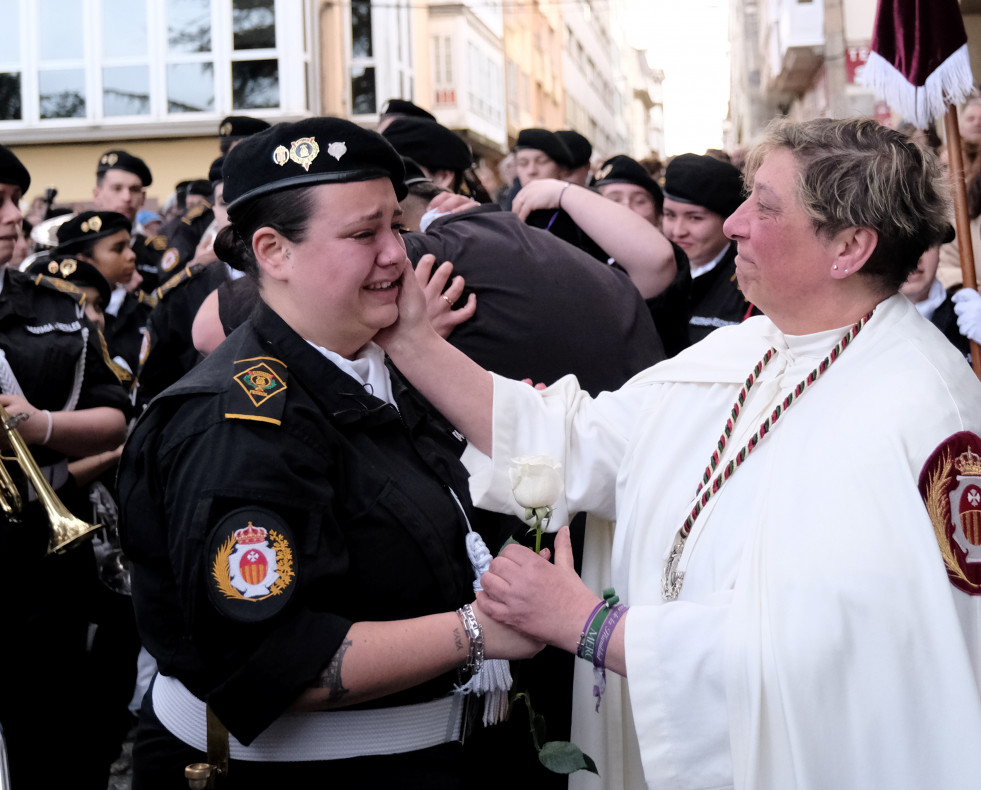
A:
(194, 212)
(124, 376)
(158, 242)
(146, 298)
(61, 285)
(184, 274)
(258, 390)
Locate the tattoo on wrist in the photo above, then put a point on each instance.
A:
(330, 678)
(458, 639)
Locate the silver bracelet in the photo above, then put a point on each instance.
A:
(476, 658)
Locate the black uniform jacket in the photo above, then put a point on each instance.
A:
(50, 345)
(716, 299)
(267, 434)
(544, 308)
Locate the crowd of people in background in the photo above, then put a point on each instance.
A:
(570, 264)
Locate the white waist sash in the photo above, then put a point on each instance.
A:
(319, 735)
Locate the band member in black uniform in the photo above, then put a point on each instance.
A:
(121, 180)
(54, 372)
(102, 238)
(295, 515)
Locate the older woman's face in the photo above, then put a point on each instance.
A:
(10, 220)
(533, 165)
(782, 265)
(342, 282)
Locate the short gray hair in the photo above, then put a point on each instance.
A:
(858, 173)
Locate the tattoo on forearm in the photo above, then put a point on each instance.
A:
(458, 639)
(330, 678)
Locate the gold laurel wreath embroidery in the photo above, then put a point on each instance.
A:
(284, 556)
(938, 507)
(223, 578)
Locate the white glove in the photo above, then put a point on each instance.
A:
(967, 305)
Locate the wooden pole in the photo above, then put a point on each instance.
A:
(964, 242)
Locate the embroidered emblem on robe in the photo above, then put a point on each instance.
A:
(251, 564)
(951, 487)
(170, 259)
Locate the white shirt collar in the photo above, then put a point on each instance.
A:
(367, 368)
(706, 268)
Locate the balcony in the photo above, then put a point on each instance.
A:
(795, 45)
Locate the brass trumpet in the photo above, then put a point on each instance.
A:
(65, 529)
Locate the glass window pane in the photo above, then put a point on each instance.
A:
(253, 24)
(255, 83)
(126, 90)
(190, 87)
(62, 93)
(10, 102)
(10, 29)
(61, 26)
(363, 99)
(361, 28)
(189, 25)
(124, 28)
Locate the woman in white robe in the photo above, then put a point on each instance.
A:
(823, 626)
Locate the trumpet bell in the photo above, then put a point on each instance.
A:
(67, 531)
(45, 233)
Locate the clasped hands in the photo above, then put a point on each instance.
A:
(543, 600)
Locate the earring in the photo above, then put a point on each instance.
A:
(846, 271)
(835, 267)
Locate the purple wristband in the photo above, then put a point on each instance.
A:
(605, 634)
(585, 628)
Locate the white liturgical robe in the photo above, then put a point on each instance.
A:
(817, 641)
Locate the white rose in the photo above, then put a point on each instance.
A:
(535, 480)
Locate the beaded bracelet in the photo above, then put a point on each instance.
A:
(475, 659)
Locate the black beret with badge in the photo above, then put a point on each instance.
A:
(579, 146)
(430, 144)
(306, 153)
(704, 181)
(121, 160)
(12, 171)
(547, 142)
(622, 169)
(89, 226)
(79, 273)
(234, 127)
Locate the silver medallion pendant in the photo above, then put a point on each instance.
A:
(672, 578)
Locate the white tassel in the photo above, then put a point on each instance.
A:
(493, 682)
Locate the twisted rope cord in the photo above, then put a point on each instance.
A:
(765, 426)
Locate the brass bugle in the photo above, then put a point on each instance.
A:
(65, 530)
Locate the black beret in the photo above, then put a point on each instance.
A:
(12, 171)
(547, 142)
(214, 172)
(120, 160)
(413, 173)
(704, 181)
(622, 169)
(306, 153)
(404, 107)
(432, 145)
(236, 126)
(82, 229)
(199, 186)
(74, 271)
(580, 148)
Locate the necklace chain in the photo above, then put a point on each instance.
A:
(672, 578)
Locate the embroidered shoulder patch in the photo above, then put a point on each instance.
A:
(251, 565)
(257, 383)
(170, 259)
(950, 484)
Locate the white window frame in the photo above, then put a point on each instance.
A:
(295, 50)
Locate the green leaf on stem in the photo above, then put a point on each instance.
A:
(564, 757)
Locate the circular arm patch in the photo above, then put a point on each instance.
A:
(251, 565)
